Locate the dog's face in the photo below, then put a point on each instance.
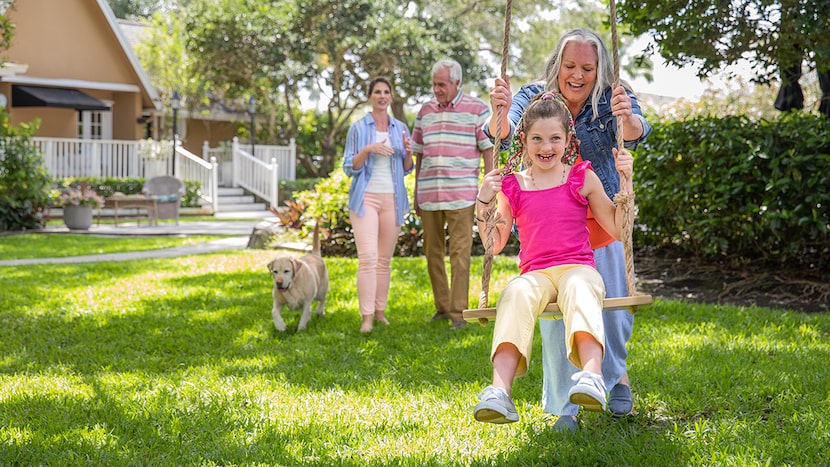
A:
(282, 271)
(298, 281)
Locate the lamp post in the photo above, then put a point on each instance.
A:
(252, 113)
(175, 102)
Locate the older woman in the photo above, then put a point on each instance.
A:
(581, 70)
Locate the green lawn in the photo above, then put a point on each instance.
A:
(26, 246)
(176, 362)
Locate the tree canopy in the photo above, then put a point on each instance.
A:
(6, 28)
(288, 52)
(771, 34)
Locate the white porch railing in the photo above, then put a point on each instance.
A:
(259, 177)
(258, 173)
(191, 167)
(224, 157)
(234, 166)
(70, 157)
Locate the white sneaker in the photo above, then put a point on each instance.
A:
(495, 406)
(589, 391)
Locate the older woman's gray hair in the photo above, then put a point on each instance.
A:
(605, 68)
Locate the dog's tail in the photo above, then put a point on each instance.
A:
(315, 239)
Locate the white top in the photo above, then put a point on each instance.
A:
(381, 180)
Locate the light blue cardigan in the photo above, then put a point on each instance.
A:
(362, 133)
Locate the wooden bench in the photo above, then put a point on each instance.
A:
(131, 202)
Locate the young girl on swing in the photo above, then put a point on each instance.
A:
(548, 202)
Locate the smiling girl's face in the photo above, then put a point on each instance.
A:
(545, 142)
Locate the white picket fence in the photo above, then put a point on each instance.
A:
(69, 157)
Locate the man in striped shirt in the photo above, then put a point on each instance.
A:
(448, 141)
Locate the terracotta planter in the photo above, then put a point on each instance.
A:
(77, 217)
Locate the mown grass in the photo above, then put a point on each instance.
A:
(34, 245)
(176, 362)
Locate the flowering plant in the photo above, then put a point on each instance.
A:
(80, 196)
(149, 149)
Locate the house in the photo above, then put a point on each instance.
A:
(72, 66)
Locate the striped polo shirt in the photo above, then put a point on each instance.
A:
(448, 141)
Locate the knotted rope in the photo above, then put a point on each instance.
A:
(623, 200)
(491, 217)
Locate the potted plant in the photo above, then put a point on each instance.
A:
(78, 204)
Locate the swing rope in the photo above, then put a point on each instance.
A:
(625, 200)
(492, 219)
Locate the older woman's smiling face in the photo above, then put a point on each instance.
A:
(578, 73)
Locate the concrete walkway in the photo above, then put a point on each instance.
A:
(240, 230)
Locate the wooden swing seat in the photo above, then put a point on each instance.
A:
(552, 311)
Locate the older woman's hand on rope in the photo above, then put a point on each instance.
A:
(500, 97)
(621, 107)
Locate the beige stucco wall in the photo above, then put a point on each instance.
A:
(72, 40)
(67, 38)
(214, 132)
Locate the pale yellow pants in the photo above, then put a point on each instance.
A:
(578, 290)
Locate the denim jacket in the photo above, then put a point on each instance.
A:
(361, 134)
(596, 136)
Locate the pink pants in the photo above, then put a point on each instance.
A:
(375, 235)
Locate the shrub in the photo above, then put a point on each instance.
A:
(108, 186)
(24, 183)
(737, 190)
(289, 187)
(329, 201)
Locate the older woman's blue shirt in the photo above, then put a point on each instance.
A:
(361, 134)
(596, 136)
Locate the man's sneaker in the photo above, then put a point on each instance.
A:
(620, 402)
(458, 325)
(495, 406)
(589, 391)
(440, 316)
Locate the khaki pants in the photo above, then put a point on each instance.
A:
(452, 297)
(577, 289)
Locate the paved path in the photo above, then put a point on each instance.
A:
(230, 243)
(240, 231)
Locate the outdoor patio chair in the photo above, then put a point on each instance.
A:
(168, 192)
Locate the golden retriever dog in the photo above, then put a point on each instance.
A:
(298, 281)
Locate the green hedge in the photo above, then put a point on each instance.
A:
(738, 190)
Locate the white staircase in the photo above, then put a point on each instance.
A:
(237, 200)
